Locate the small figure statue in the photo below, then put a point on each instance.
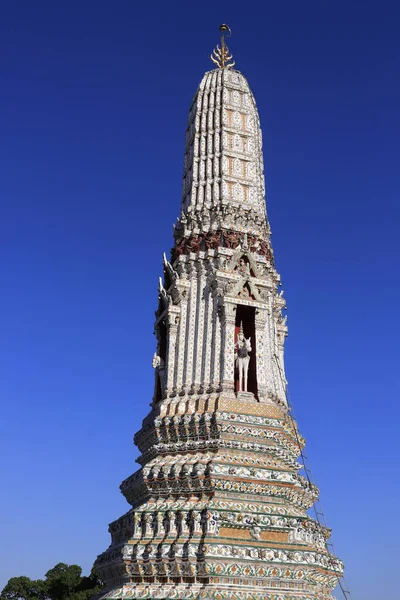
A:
(197, 522)
(230, 239)
(159, 364)
(212, 241)
(243, 267)
(166, 523)
(255, 532)
(242, 356)
(193, 244)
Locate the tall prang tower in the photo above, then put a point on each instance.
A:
(218, 508)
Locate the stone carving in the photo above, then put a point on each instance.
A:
(212, 241)
(159, 365)
(242, 359)
(162, 295)
(170, 274)
(255, 532)
(172, 523)
(197, 525)
(230, 239)
(244, 268)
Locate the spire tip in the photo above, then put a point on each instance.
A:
(220, 55)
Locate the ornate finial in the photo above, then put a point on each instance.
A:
(220, 55)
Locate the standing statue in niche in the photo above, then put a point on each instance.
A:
(159, 365)
(242, 356)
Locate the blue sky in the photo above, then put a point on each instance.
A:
(93, 107)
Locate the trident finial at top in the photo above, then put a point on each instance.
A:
(220, 55)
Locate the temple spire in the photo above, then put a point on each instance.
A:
(218, 510)
(220, 55)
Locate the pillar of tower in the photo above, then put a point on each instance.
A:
(218, 509)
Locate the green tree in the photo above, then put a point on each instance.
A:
(23, 588)
(62, 582)
(88, 587)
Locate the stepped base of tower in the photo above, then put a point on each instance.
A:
(279, 590)
(219, 510)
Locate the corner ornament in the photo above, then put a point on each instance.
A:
(220, 55)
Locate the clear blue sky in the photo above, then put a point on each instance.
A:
(93, 106)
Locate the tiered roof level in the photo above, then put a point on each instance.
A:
(218, 508)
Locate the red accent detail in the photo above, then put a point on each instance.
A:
(212, 240)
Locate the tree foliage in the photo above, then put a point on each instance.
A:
(62, 582)
(23, 588)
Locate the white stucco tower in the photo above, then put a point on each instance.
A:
(218, 508)
(223, 271)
